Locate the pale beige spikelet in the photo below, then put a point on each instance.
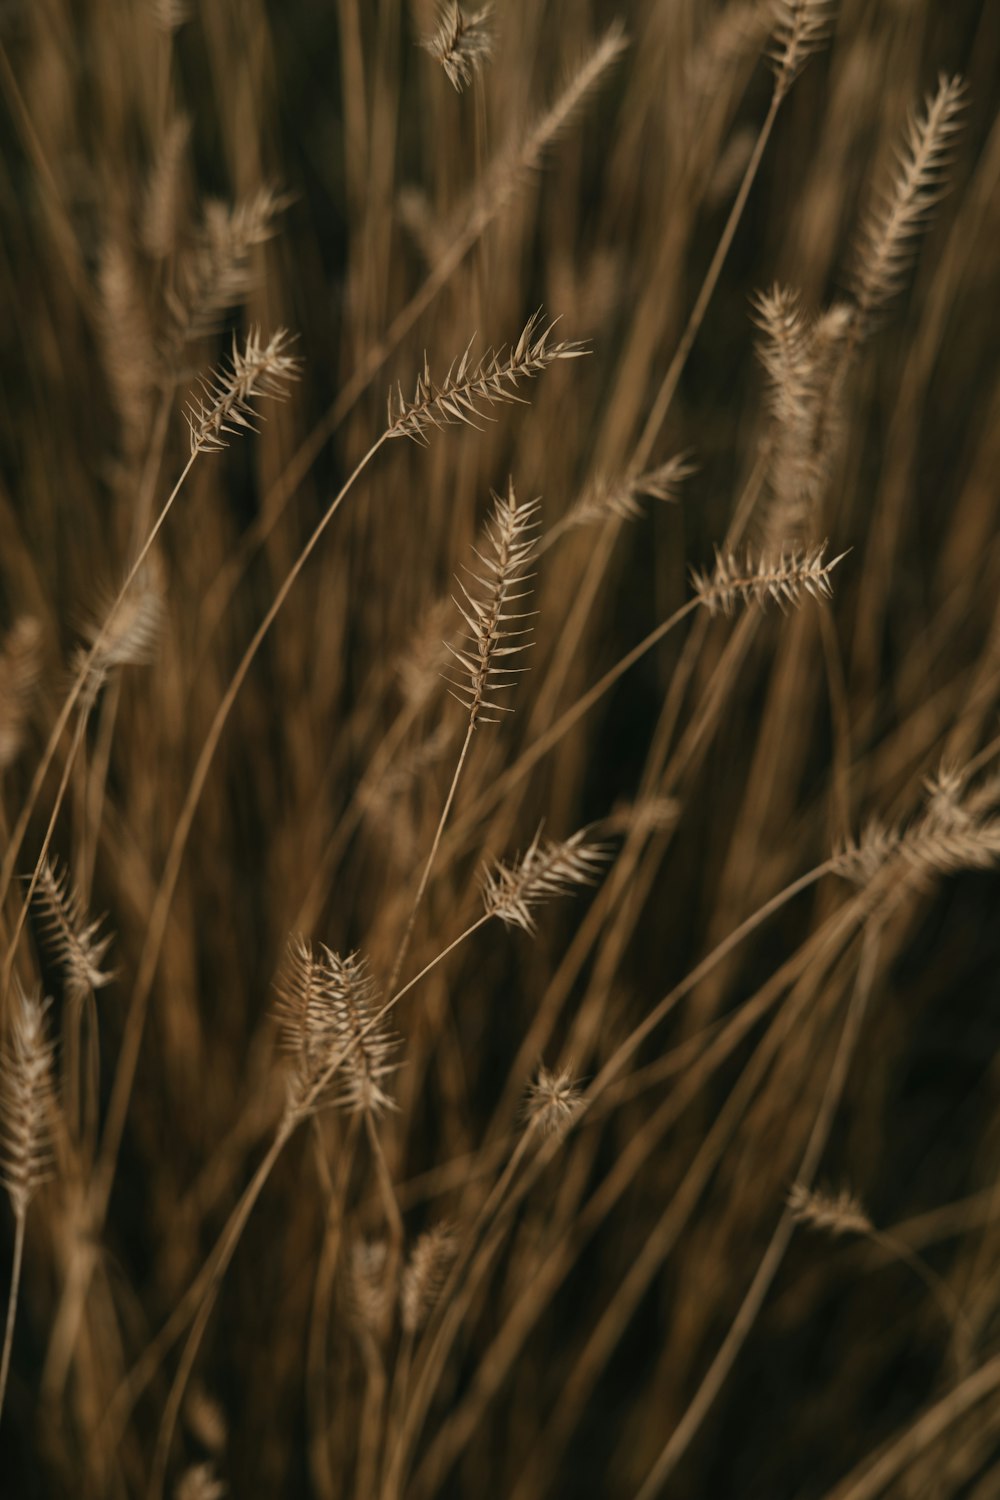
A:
(801, 28)
(953, 833)
(27, 1100)
(78, 945)
(621, 498)
(552, 1101)
(491, 606)
(500, 183)
(799, 355)
(545, 871)
(462, 41)
(126, 342)
(217, 271)
(904, 202)
(369, 1284)
(206, 1419)
(783, 579)
(124, 632)
(200, 1482)
(831, 1213)
(162, 216)
(425, 1276)
(20, 671)
(340, 1052)
(471, 387)
(227, 404)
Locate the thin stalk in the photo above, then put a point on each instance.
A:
(15, 1284)
(228, 1241)
(68, 1317)
(425, 877)
(42, 769)
(680, 1439)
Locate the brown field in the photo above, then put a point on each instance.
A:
(499, 749)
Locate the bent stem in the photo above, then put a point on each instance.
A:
(83, 671)
(68, 1318)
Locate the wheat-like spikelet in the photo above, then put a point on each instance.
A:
(469, 387)
(544, 871)
(20, 669)
(216, 272)
(369, 1289)
(27, 1100)
(169, 15)
(126, 342)
(785, 579)
(499, 184)
(620, 498)
(551, 1102)
(161, 216)
(904, 202)
(802, 27)
(949, 836)
(206, 1419)
(425, 1275)
(799, 356)
(325, 1006)
(462, 41)
(832, 1213)
(78, 946)
(226, 406)
(200, 1482)
(496, 632)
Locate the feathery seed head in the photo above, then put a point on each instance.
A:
(425, 1275)
(496, 630)
(801, 28)
(552, 1101)
(200, 1482)
(904, 201)
(78, 945)
(784, 579)
(620, 498)
(340, 1055)
(369, 1293)
(27, 1099)
(226, 406)
(836, 1214)
(124, 632)
(470, 386)
(462, 42)
(512, 892)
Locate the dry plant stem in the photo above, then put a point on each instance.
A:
(20, 1219)
(548, 1277)
(950, 1307)
(425, 877)
(723, 1362)
(42, 769)
(473, 927)
(589, 930)
(661, 405)
(590, 71)
(668, 388)
(22, 915)
(453, 1304)
(221, 1257)
(317, 1395)
(70, 1311)
(871, 1477)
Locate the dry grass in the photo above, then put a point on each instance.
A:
(350, 1151)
